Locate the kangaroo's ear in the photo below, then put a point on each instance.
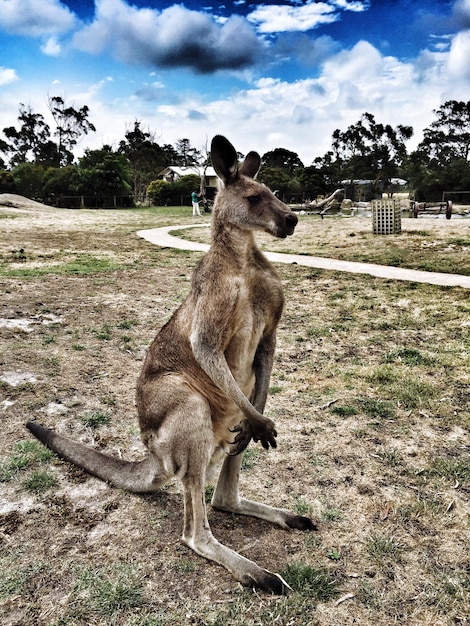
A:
(224, 159)
(251, 164)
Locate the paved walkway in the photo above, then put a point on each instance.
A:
(162, 237)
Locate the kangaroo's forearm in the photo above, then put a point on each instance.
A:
(217, 369)
(223, 378)
(263, 365)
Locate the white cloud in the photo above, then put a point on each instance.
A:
(274, 18)
(7, 76)
(357, 6)
(151, 92)
(35, 18)
(302, 115)
(299, 115)
(459, 55)
(174, 37)
(462, 13)
(361, 64)
(429, 68)
(98, 87)
(311, 52)
(51, 47)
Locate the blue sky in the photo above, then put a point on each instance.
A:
(267, 75)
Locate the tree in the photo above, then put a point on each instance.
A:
(164, 193)
(171, 156)
(59, 182)
(28, 179)
(48, 154)
(279, 171)
(276, 179)
(282, 159)
(159, 192)
(448, 137)
(312, 181)
(186, 185)
(26, 143)
(71, 124)
(182, 188)
(187, 155)
(145, 157)
(4, 147)
(32, 142)
(103, 173)
(7, 182)
(329, 167)
(431, 177)
(370, 150)
(441, 161)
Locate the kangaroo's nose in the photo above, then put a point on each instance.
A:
(291, 220)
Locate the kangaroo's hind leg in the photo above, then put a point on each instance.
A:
(227, 498)
(198, 536)
(193, 446)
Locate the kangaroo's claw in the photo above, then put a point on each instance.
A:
(242, 439)
(246, 432)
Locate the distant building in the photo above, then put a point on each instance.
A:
(172, 173)
(363, 190)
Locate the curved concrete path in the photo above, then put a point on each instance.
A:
(162, 237)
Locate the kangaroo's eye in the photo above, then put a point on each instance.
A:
(254, 200)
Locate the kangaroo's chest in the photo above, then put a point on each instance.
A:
(259, 308)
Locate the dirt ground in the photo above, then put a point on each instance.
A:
(370, 394)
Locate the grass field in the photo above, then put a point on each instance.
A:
(424, 244)
(370, 394)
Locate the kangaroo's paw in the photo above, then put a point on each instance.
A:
(242, 439)
(262, 431)
(267, 581)
(266, 433)
(299, 522)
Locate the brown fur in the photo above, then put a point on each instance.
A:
(204, 383)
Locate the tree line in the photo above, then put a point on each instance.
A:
(37, 160)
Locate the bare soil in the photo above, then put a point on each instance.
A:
(370, 394)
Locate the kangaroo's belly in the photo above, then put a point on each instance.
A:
(242, 348)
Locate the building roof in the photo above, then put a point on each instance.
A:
(361, 181)
(182, 170)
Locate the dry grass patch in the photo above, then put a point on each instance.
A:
(370, 394)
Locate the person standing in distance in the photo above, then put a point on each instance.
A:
(195, 201)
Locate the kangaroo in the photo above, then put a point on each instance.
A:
(204, 382)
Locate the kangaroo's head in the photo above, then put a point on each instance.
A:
(244, 202)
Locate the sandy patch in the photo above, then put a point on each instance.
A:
(18, 378)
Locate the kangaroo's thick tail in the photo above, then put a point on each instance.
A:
(138, 476)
